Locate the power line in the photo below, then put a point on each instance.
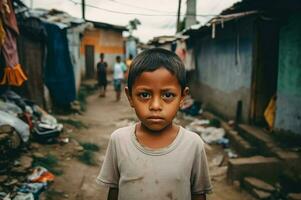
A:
(139, 14)
(134, 6)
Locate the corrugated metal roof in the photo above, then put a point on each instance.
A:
(108, 26)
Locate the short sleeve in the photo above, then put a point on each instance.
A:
(124, 68)
(109, 173)
(200, 179)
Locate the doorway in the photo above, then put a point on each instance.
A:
(89, 61)
(265, 68)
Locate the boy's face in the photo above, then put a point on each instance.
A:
(156, 97)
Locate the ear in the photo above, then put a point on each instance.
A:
(129, 96)
(184, 94)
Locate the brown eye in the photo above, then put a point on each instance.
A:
(144, 95)
(168, 95)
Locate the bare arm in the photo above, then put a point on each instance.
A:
(113, 194)
(198, 197)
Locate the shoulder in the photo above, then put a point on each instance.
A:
(121, 134)
(192, 139)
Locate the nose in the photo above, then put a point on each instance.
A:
(155, 104)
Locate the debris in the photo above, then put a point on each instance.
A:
(224, 142)
(21, 128)
(231, 153)
(38, 155)
(188, 118)
(40, 175)
(11, 182)
(75, 106)
(26, 162)
(212, 135)
(231, 123)
(46, 132)
(217, 161)
(3, 178)
(79, 148)
(34, 188)
(200, 122)
(62, 140)
(34, 145)
(258, 184)
(24, 196)
(10, 108)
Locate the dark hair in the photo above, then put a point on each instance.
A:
(153, 59)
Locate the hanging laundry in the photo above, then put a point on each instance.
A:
(12, 71)
(2, 33)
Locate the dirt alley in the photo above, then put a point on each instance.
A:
(102, 117)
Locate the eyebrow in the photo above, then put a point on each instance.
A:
(150, 89)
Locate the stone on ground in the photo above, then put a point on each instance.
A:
(251, 182)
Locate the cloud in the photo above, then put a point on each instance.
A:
(110, 11)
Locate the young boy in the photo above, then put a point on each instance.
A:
(102, 75)
(118, 75)
(156, 159)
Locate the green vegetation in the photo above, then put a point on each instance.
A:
(50, 162)
(84, 92)
(215, 122)
(77, 124)
(90, 146)
(87, 157)
(53, 195)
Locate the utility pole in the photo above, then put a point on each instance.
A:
(190, 18)
(83, 9)
(31, 4)
(178, 18)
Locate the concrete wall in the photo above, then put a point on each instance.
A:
(224, 68)
(288, 111)
(109, 42)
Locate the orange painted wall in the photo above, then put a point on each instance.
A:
(106, 41)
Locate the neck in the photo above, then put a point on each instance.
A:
(157, 133)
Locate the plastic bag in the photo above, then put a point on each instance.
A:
(21, 127)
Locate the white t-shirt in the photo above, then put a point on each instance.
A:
(174, 172)
(119, 69)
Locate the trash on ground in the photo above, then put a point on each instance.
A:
(231, 153)
(41, 175)
(24, 196)
(21, 127)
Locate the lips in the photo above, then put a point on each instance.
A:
(155, 119)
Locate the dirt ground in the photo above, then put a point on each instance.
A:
(102, 117)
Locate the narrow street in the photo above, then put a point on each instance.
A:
(102, 117)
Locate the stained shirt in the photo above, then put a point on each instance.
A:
(174, 172)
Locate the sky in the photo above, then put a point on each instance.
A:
(157, 17)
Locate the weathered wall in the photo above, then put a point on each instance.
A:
(224, 68)
(74, 45)
(109, 42)
(288, 112)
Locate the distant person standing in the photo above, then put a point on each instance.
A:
(128, 63)
(102, 75)
(118, 75)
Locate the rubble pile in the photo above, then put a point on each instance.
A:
(21, 122)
